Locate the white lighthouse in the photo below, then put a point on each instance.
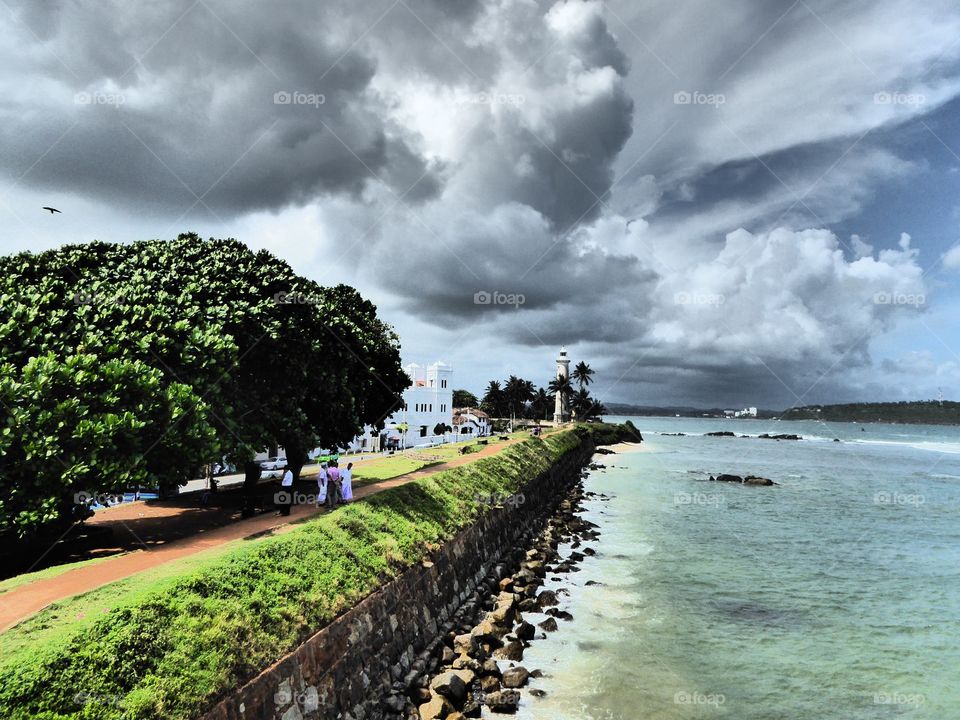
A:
(563, 371)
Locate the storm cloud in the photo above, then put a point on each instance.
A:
(685, 195)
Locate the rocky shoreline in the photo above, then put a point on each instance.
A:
(475, 662)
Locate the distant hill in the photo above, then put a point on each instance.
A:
(682, 411)
(930, 412)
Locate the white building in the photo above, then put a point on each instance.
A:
(747, 412)
(470, 422)
(427, 402)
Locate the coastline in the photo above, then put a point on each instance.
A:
(626, 447)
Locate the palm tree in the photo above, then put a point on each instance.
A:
(403, 427)
(581, 404)
(492, 402)
(583, 374)
(518, 392)
(540, 406)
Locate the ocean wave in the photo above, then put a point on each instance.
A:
(927, 445)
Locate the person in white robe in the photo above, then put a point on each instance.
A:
(346, 483)
(322, 485)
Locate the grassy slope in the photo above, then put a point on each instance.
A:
(175, 640)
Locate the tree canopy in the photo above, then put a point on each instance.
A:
(134, 364)
(465, 398)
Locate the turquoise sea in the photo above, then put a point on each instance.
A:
(834, 595)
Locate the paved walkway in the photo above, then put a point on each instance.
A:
(26, 600)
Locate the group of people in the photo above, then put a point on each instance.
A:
(334, 486)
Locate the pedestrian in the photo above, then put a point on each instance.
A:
(333, 486)
(346, 483)
(322, 479)
(286, 492)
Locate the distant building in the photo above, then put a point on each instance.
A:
(427, 402)
(470, 422)
(746, 412)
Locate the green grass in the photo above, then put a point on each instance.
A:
(177, 638)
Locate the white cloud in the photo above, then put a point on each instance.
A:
(951, 259)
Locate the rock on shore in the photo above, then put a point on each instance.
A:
(749, 480)
(476, 661)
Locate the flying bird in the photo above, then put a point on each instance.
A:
(52, 210)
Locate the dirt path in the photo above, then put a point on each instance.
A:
(22, 602)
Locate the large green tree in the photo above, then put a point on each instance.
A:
(123, 364)
(465, 398)
(494, 400)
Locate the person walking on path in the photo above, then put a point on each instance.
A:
(322, 479)
(286, 492)
(333, 486)
(346, 483)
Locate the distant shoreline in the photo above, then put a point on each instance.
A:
(942, 423)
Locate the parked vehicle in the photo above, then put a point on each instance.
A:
(272, 467)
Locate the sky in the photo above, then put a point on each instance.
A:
(741, 204)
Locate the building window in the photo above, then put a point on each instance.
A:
(431, 407)
(423, 431)
(443, 383)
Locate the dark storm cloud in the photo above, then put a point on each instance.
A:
(246, 106)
